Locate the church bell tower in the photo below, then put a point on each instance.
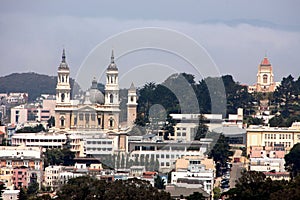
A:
(63, 95)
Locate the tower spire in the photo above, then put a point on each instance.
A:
(112, 57)
(63, 57)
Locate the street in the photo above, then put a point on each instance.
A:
(235, 173)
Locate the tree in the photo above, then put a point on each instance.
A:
(159, 183)
(202, 128)
(220, 153)
(196, 196)
(51, 122)
(169, 127)
(255, 185)
(2, 188)
(33, 188)
(292, 160)
(59, 156)
(23, 194)
(217, 193)
(91, 188)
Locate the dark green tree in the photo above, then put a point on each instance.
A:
(33, 189)
(91, 188)
(292, 160)
(159, 183)
(255, 185)
(2, 188)
(196, 196)
(23, 194)
(220, 153)
(202, 128)
(51, 122)
(169, 127)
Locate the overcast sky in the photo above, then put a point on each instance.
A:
(235, 34)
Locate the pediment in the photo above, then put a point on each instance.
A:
(87, 109)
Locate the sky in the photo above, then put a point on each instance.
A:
(235, 35)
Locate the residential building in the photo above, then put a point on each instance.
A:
(20, 177)
(21, 165)
(51, 177)
(6, 174)
(181, 193)
(191, 172)
(10, 194)
(266, 159)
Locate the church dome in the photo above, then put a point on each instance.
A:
(95, 95)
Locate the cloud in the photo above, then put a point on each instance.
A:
(31, 43)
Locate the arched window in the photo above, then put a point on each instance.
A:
(111, 122)
(62, 97)
(131, 99)
(62, 79)
(62, 121)
(265, 78)
(111, 98)
(112, 80)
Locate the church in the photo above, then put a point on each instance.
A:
(265, 78)
(96, 112)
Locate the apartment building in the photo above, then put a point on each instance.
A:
(194, 172)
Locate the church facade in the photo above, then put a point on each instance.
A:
(96, 111)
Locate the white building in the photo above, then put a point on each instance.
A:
(52, 176)
(166, 152)
(48, 140)
(20, 151)
(195, 175)
(10, 194)
(96, 145)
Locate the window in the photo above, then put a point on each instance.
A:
(111, 122)
(111, 98)
(131, 99)
(62, 121)
(80, 116)
(265, 78)
(62, 97)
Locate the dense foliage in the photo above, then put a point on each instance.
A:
(59, 156)
(286, 98)
(220, 153)
(202, 128)
(292, 160)
(91, 188)
(255, 185)
(181, 94)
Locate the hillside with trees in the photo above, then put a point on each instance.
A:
(32, 83)
(181, 94)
